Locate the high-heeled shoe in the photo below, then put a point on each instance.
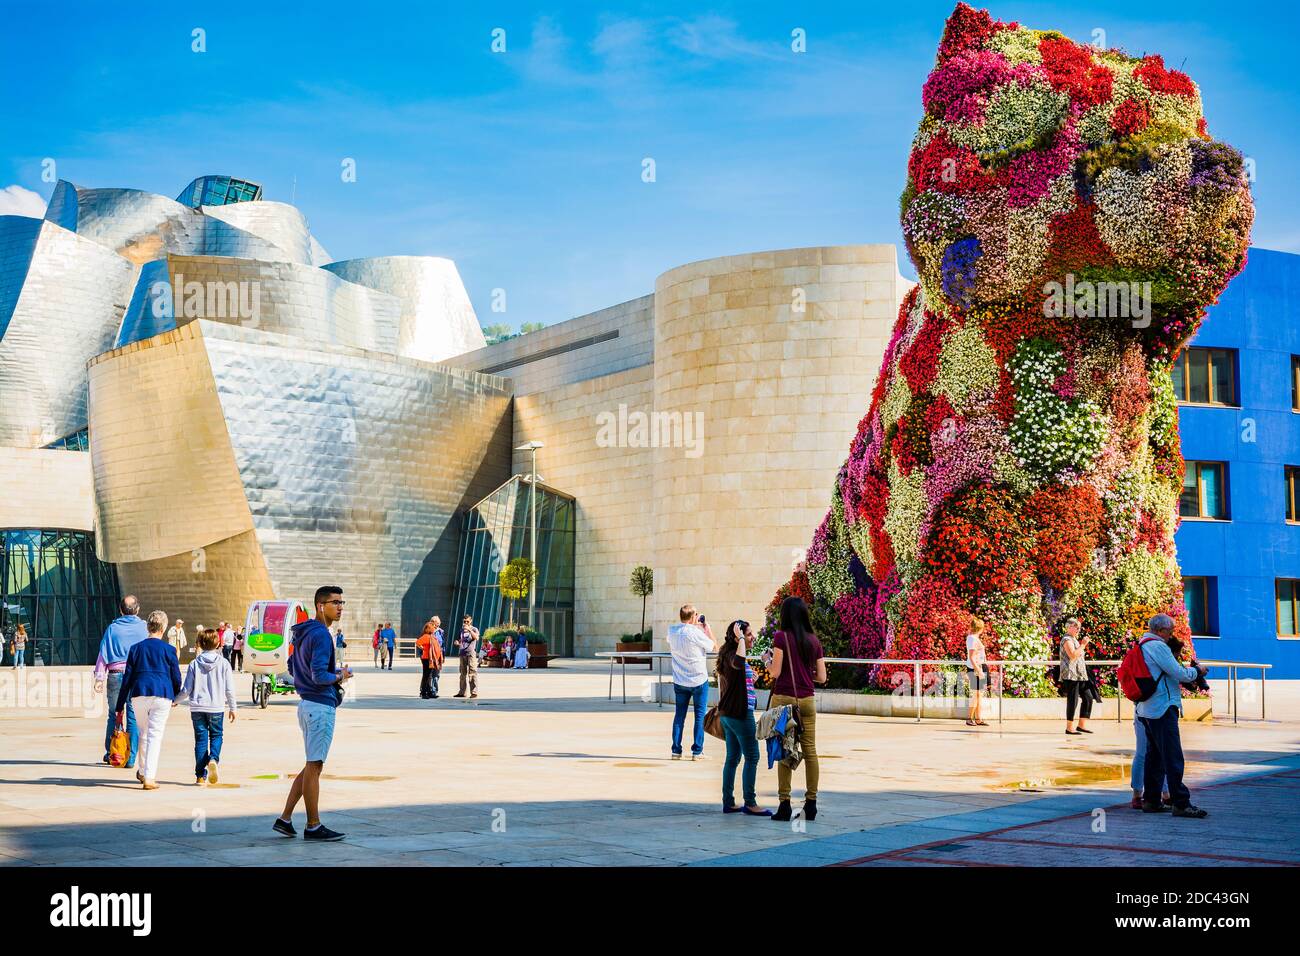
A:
(810, 809)
(783, 812)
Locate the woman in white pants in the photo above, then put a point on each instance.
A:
(150, 682)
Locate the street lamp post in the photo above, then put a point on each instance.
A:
(532, 446)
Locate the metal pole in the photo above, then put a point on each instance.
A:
(611, 679)
(659, 679)
(916, 689)
(1263, 686)
(532, 545)
(1234, 693)
(1002, 677)
(624, 660)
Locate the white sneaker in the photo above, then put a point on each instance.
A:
(676, 756)
(697, 756)
(212, 771)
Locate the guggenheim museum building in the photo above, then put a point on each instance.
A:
(199, 406)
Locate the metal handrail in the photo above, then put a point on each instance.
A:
(918, 663)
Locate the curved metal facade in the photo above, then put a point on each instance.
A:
(343, 465)
(143, 226)
(285, 297)
(437, 319)
(58, 311)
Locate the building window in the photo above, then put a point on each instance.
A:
(1206, 376)
(52, 583)
(1292, 480)
(1288, 606)
(1201, 599)
(1295, 383)
(1204, 490)
(77, 441)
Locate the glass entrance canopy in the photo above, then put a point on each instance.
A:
(497, 530)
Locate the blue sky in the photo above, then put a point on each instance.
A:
(525, 166)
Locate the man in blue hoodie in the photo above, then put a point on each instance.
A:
(319, 683)
(123, 634)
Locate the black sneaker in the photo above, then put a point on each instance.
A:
(322, 833)
(1190, 811)
(284, 828)
(1154, 807)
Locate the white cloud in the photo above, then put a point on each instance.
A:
(16, 201)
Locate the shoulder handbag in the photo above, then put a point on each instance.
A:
(713, 723)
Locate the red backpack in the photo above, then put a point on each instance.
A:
(1135, 680)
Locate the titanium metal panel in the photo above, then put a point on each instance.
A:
(349, 466)
(144, 227)
(437, 319)
(310, 304)
(67, 310)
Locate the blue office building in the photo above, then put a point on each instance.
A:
(1238, 385)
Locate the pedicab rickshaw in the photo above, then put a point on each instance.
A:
(269, 644)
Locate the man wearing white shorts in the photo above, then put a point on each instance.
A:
(318, 680)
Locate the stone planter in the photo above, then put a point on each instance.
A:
(537, 656)
(634, 646)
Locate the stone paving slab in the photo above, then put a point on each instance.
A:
(545, 771)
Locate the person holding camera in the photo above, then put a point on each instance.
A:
(1075, 683)
(691, 642)
(1159, 714)
(736, 702)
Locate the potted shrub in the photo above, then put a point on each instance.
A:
(636, 642)
(642, 584)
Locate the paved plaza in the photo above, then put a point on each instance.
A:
(543, 770)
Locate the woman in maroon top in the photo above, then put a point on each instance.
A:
(797, 664)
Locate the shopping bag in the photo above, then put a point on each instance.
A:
(119, 748)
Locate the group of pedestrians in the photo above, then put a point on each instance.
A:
(795, 665)
(384, 643)
(1157, 774)
(138, 668)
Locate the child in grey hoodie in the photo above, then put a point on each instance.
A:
(209, 688)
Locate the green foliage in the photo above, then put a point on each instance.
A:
(516, 579)
(643, 581)
(498, 635)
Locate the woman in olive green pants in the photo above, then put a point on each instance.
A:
(797, 665)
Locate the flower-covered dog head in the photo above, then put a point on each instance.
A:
(1044, 168)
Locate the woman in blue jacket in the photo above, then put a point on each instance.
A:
(151, 681)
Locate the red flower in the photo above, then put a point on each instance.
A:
(1157, 79)
(968, 29)
(1070, 69)
(1131, 117)
(1067, 523)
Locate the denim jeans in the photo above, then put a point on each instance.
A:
(1140, 758)
(1164, 758)
(686, 696)
(741, 739)
(112, 685)
(208, 732)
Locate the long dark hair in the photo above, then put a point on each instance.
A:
(798, 626)
(730, 644)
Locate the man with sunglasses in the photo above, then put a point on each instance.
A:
(319, 684)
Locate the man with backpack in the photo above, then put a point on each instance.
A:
(1151, 676)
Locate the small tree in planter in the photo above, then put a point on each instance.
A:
(515, 580)
(642, 584)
